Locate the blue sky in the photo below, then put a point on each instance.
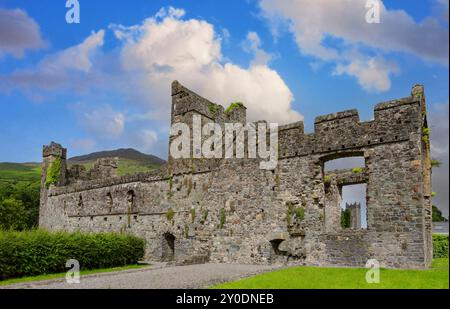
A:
(104, 83)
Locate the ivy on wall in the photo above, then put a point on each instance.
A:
(53, 173)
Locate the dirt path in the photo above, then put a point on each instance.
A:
(155, 277)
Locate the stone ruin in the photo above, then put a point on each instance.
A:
(231, 211)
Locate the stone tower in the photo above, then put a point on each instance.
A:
(355, 215)
(54, 154)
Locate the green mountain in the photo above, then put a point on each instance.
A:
(128, 154)
(130, 160)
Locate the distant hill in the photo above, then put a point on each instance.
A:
(20, 172)
(130, 154)
(130, 160)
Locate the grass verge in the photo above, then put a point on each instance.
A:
(346, 278)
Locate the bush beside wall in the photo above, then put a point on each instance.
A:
(39, 252)
(440, 246)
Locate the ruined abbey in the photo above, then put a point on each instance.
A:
(231, 211)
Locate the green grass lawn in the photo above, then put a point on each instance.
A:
(346, 278)
(63, 275)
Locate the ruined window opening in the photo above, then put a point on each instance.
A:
(110, 201)
(343, 176)
(130, 199)
(354, 206)
(80, 201)
(345, 163)
(276, 246)
(168, 247)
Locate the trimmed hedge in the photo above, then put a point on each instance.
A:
(440, 246)
(40, 252)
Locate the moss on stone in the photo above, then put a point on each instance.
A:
(186, 231)
(233, 106)
(426, 136)
(213, 109)
(193, 215)
(170, 214)
(327, 180)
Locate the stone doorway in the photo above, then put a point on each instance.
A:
(168, 247)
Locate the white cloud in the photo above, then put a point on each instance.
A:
(313, 22)
(373, 74)
(103, 122)
(77, 58)
(18, 33)
(139, 73)
(166, 47)
(68, 68)
(253, 45)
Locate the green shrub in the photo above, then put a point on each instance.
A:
(53, 173)
(234, 106)
(440, 246)
(300, 213)
(40, 252)
(357, 170)
(426, 135)
(222, 218)
(437, 215)
(170, 214)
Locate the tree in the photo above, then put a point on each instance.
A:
(345, 218)
(437, 215)
(13, 214)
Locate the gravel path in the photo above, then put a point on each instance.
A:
(155, 277)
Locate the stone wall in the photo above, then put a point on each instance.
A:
(231, 211)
